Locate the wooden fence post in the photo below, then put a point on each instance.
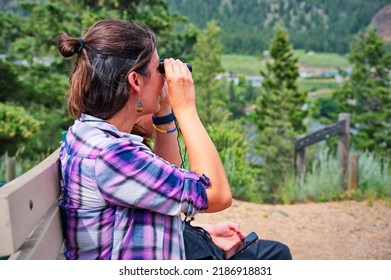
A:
(343, 146)
(342, 129)
(300, 162)
(353, 172)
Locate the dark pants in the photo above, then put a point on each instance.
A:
(199, 246)
(265, 250)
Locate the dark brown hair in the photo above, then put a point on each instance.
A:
(107, 53)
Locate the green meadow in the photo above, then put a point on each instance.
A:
(247, 65)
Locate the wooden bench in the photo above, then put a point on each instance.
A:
(30, 222)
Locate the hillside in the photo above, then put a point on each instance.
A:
(382, 20)
(317, 25)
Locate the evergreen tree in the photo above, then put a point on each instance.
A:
(280, 78)
(367, 94)
(237, 97)
(275, 139)
(278, 114)
(211, 100)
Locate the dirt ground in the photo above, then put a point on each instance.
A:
(347, 230)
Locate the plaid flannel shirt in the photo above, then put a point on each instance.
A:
(121, 201)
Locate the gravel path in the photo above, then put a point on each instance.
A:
(347, 230)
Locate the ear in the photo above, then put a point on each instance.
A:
(134, 81)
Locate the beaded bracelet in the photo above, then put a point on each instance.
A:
(163, 120)
(164, 131)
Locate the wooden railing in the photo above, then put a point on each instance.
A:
(348, 163)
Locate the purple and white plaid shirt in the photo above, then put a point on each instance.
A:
(121, 201)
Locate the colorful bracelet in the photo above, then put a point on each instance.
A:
(163, 120)
(164, 131)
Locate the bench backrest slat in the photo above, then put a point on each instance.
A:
(45, 243)
(25, 201)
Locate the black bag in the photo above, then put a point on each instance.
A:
(199, 244)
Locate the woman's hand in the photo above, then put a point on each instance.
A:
(181, 89)
(165, 106)
(225, 235)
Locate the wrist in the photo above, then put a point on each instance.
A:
(210, 228)
(165, 119)
(187, 119)
(165, 128)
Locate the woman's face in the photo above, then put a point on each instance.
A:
(152, 93)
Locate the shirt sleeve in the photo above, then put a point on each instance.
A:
(131, 175)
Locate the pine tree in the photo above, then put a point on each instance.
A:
(276, 139)
(279, 115)
(211, 101)
(281, 75)
(367, 94)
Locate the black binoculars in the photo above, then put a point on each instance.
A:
(161, 66)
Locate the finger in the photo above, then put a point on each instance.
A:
(183, 66)
(186, 70)
(234, 226)
(180, 67)
(165, 87)
(168, 66)
(176, 66)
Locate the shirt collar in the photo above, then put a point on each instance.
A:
(109, 128)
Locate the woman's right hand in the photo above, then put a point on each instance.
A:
(181, 89)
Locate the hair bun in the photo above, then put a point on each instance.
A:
(68, 46)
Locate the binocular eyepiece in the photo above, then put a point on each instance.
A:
(161, 66)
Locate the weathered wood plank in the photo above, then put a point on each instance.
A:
(353, 172)
(46, 241)
(25, 201)
(322, 134)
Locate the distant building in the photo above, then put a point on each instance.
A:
(228, 78)
(329, 73)
(255, 81)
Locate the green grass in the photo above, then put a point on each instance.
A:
(329, 60)
(242, 65)
(317, 85)
(322, 181)
(247, 65)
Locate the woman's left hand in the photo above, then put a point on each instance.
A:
(226, 235)
(165, 107)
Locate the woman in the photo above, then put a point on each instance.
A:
(119, 199)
